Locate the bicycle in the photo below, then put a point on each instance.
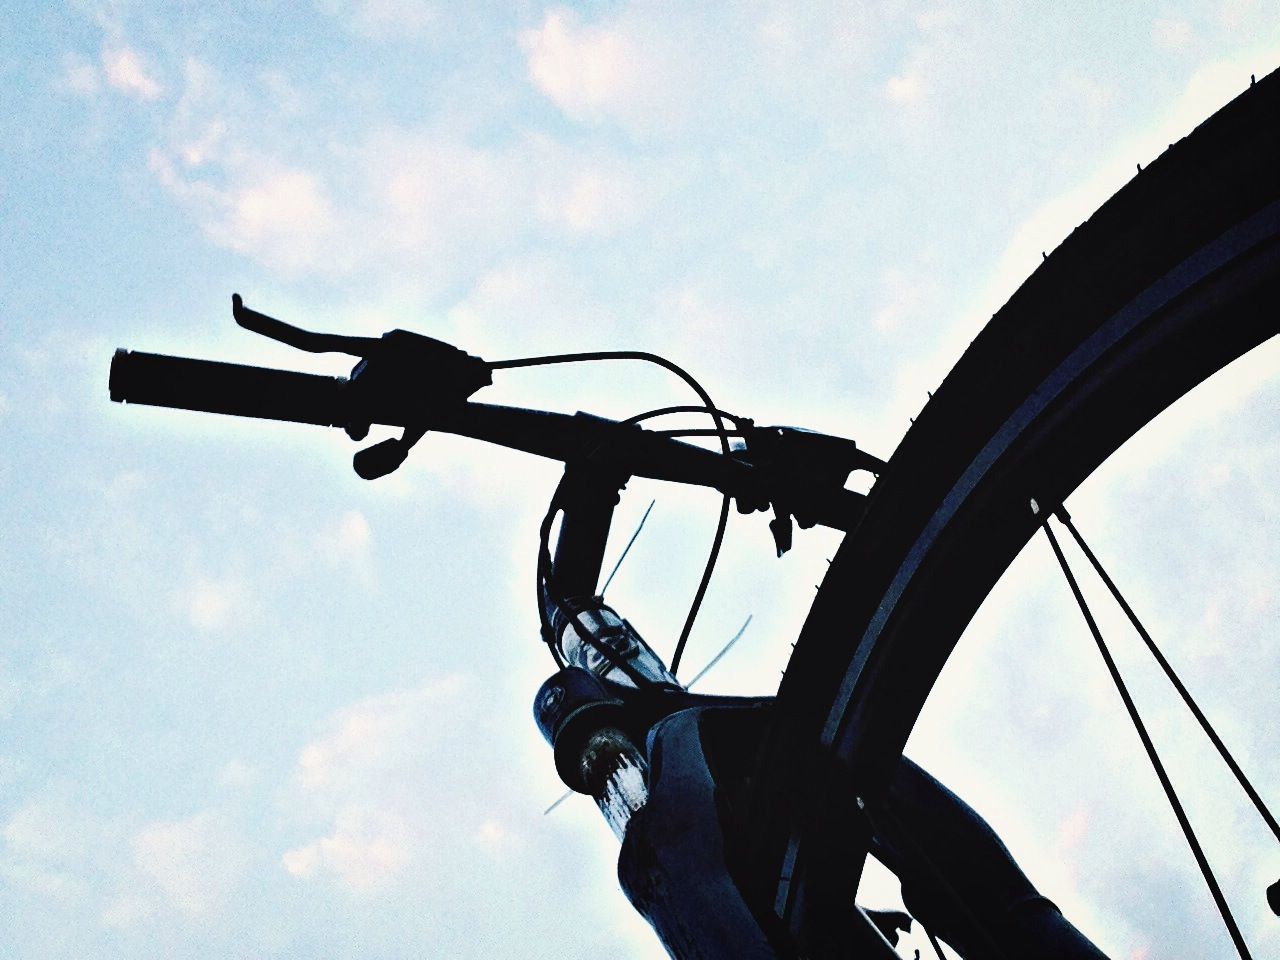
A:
(779, 801)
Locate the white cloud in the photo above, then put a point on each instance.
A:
(592, 199)
(423, 205)
(593, 191)
(41, 829)
(349, 540)
(643, 72)
(283, 216)
(10, 769)
(700, 316)
(387, 786)
(52, 884)
(1089, 99)
(369, 847)
(514, 302)
(205, 146)
(353, 531)
(943, 42)
(492, 834)
(1172, 33)
(48, 843)
(11, 691)
(127, 910)
(236, 775)
(432, 200)
(126, 72)
(213, 604)
(80, 77)
(195, 862)
(585, 70)
(1234, 14)
(905, 89)
(901, 298)
(699, 73)
(246, 199)
(384, 19)
(279, 215)
(504, 292)
(370, 735)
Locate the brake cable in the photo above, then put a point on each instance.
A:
(707, 407)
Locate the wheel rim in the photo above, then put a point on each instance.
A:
(1165, 342)
(1017, 465)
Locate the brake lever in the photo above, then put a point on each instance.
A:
(400, 370)
(296, 337)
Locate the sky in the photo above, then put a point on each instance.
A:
(253, 706)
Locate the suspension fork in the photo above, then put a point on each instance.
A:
(626, 732)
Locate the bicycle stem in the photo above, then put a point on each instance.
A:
(587, 633)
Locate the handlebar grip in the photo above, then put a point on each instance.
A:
(207, 385)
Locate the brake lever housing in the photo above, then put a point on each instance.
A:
(793, 464)
(406, 371)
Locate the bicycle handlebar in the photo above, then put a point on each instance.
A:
(215, 387)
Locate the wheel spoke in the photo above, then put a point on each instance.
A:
(1232, 928)
(1065, 519)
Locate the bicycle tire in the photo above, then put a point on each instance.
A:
(1174, 277)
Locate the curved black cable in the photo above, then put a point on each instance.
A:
(685, 408)
(716, 542)
(708, 407)
(723, 521)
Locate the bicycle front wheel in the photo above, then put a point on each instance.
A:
(1173, 278)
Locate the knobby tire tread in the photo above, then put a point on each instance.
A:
(1224, 174)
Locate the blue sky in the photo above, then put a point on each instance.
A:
(254, 706)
